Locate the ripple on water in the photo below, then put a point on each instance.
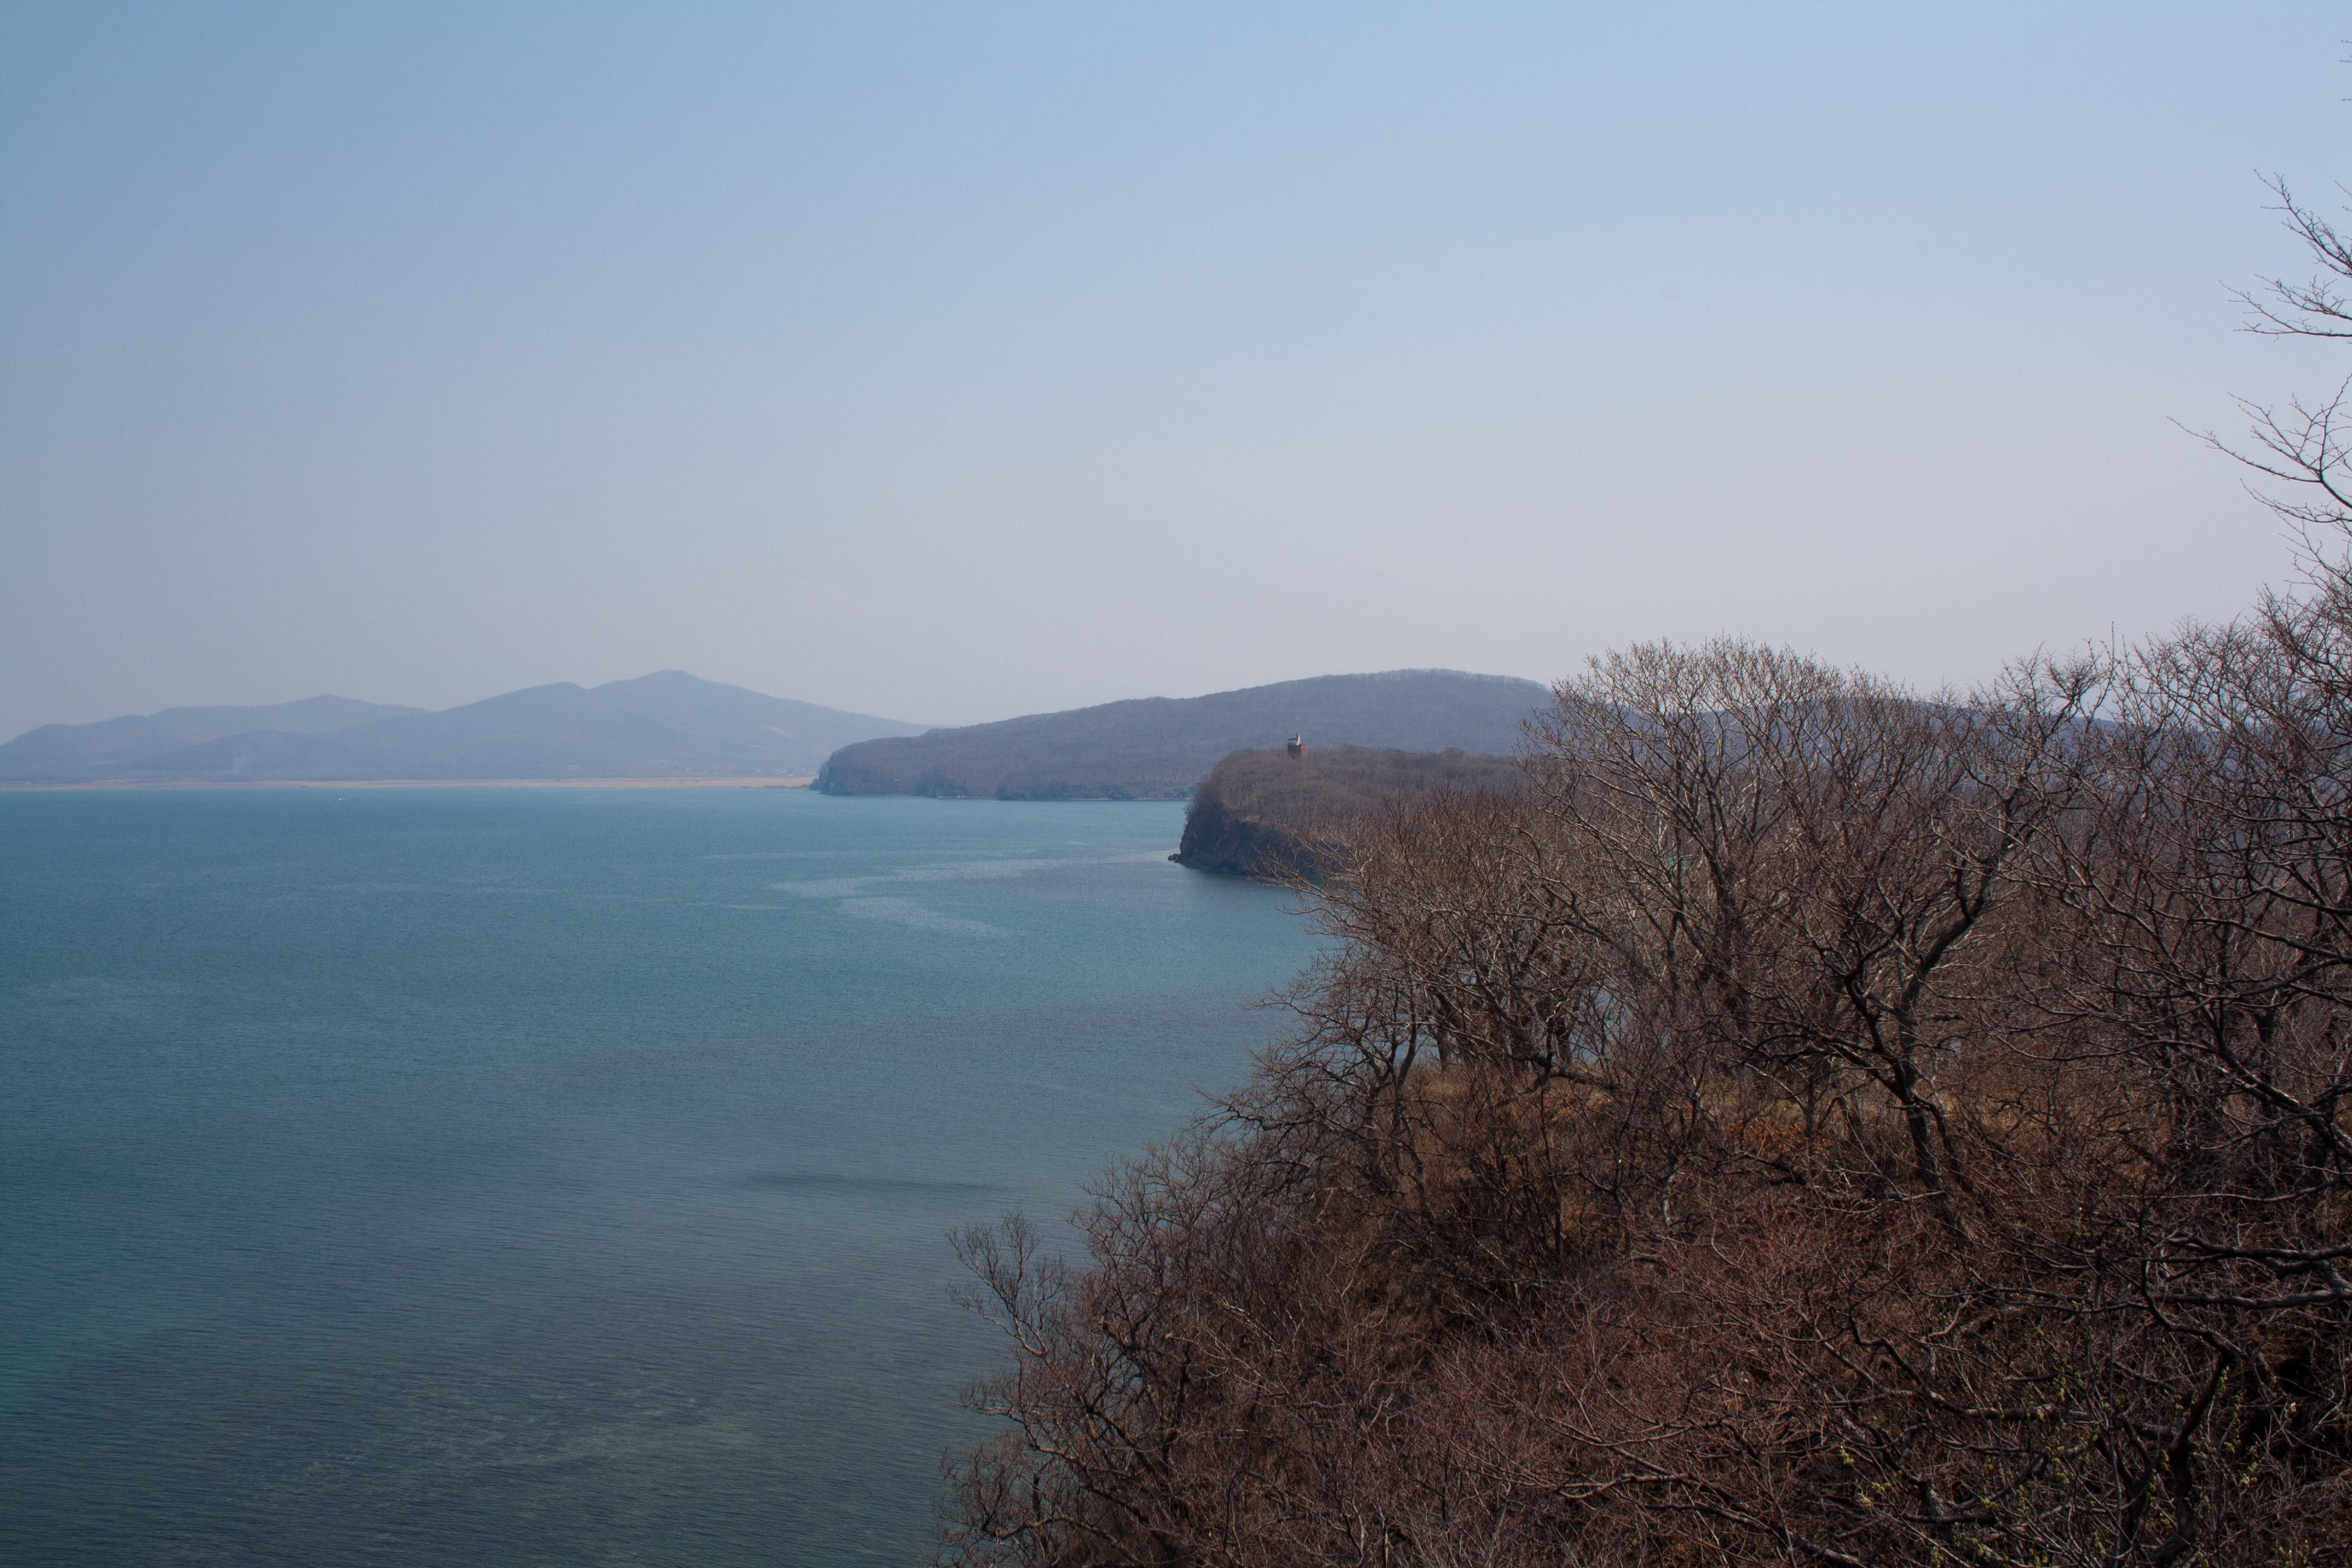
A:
(591, 1225)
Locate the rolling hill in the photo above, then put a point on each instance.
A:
(1158, 748)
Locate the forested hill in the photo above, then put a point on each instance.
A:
(1158, 748)
(1263, 813)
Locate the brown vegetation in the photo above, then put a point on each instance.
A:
(1267, 814)
(1807, 1124)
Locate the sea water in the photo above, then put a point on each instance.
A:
(555, 1176)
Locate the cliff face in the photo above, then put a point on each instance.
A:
(1265, 814)
(1222, 840)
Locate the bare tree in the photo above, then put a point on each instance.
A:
(2302, 444)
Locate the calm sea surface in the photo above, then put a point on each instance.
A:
(538, 1176)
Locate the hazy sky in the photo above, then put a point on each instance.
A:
(949, 361)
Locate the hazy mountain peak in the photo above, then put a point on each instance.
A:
(669, 725)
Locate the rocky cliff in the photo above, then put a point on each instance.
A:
(1267, 813)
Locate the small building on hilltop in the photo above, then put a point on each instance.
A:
(1298, 747)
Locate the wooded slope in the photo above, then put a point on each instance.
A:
(1158, 748)
(1804, 1124)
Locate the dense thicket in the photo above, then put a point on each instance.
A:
(1267, 814)
(1809, 1123)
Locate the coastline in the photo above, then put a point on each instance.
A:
(27, 786)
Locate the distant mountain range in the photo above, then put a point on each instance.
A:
(1159, 747)
(674, 725)
(83, 751)
(669, 725)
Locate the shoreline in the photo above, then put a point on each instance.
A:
(31, 785)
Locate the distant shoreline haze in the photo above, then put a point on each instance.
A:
(672, 726)
(666, 725)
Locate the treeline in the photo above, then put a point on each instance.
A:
(1804, 1123)
(1265, 814)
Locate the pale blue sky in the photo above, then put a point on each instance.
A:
(950, 362)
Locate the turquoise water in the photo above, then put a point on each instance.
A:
(536, 1177)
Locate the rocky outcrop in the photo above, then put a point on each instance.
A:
(1223, 840)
